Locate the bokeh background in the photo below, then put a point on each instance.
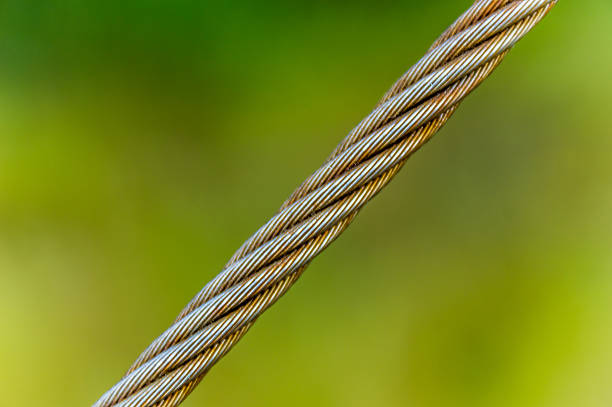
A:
(142, 141)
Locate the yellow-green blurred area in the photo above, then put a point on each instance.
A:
(142, 141)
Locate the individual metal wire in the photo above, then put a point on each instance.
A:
(318, 211)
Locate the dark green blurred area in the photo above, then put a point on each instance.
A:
(142, 141)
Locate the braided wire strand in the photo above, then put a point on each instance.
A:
(323, 206)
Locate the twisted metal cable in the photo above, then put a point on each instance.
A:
(318, 211)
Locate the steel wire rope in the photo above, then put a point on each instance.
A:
(323, 206)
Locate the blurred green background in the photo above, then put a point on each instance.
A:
(142, 141)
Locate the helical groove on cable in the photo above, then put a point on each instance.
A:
(323, 206)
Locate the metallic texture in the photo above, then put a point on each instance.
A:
(271, 260)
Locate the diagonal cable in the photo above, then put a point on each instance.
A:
(323, 206)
